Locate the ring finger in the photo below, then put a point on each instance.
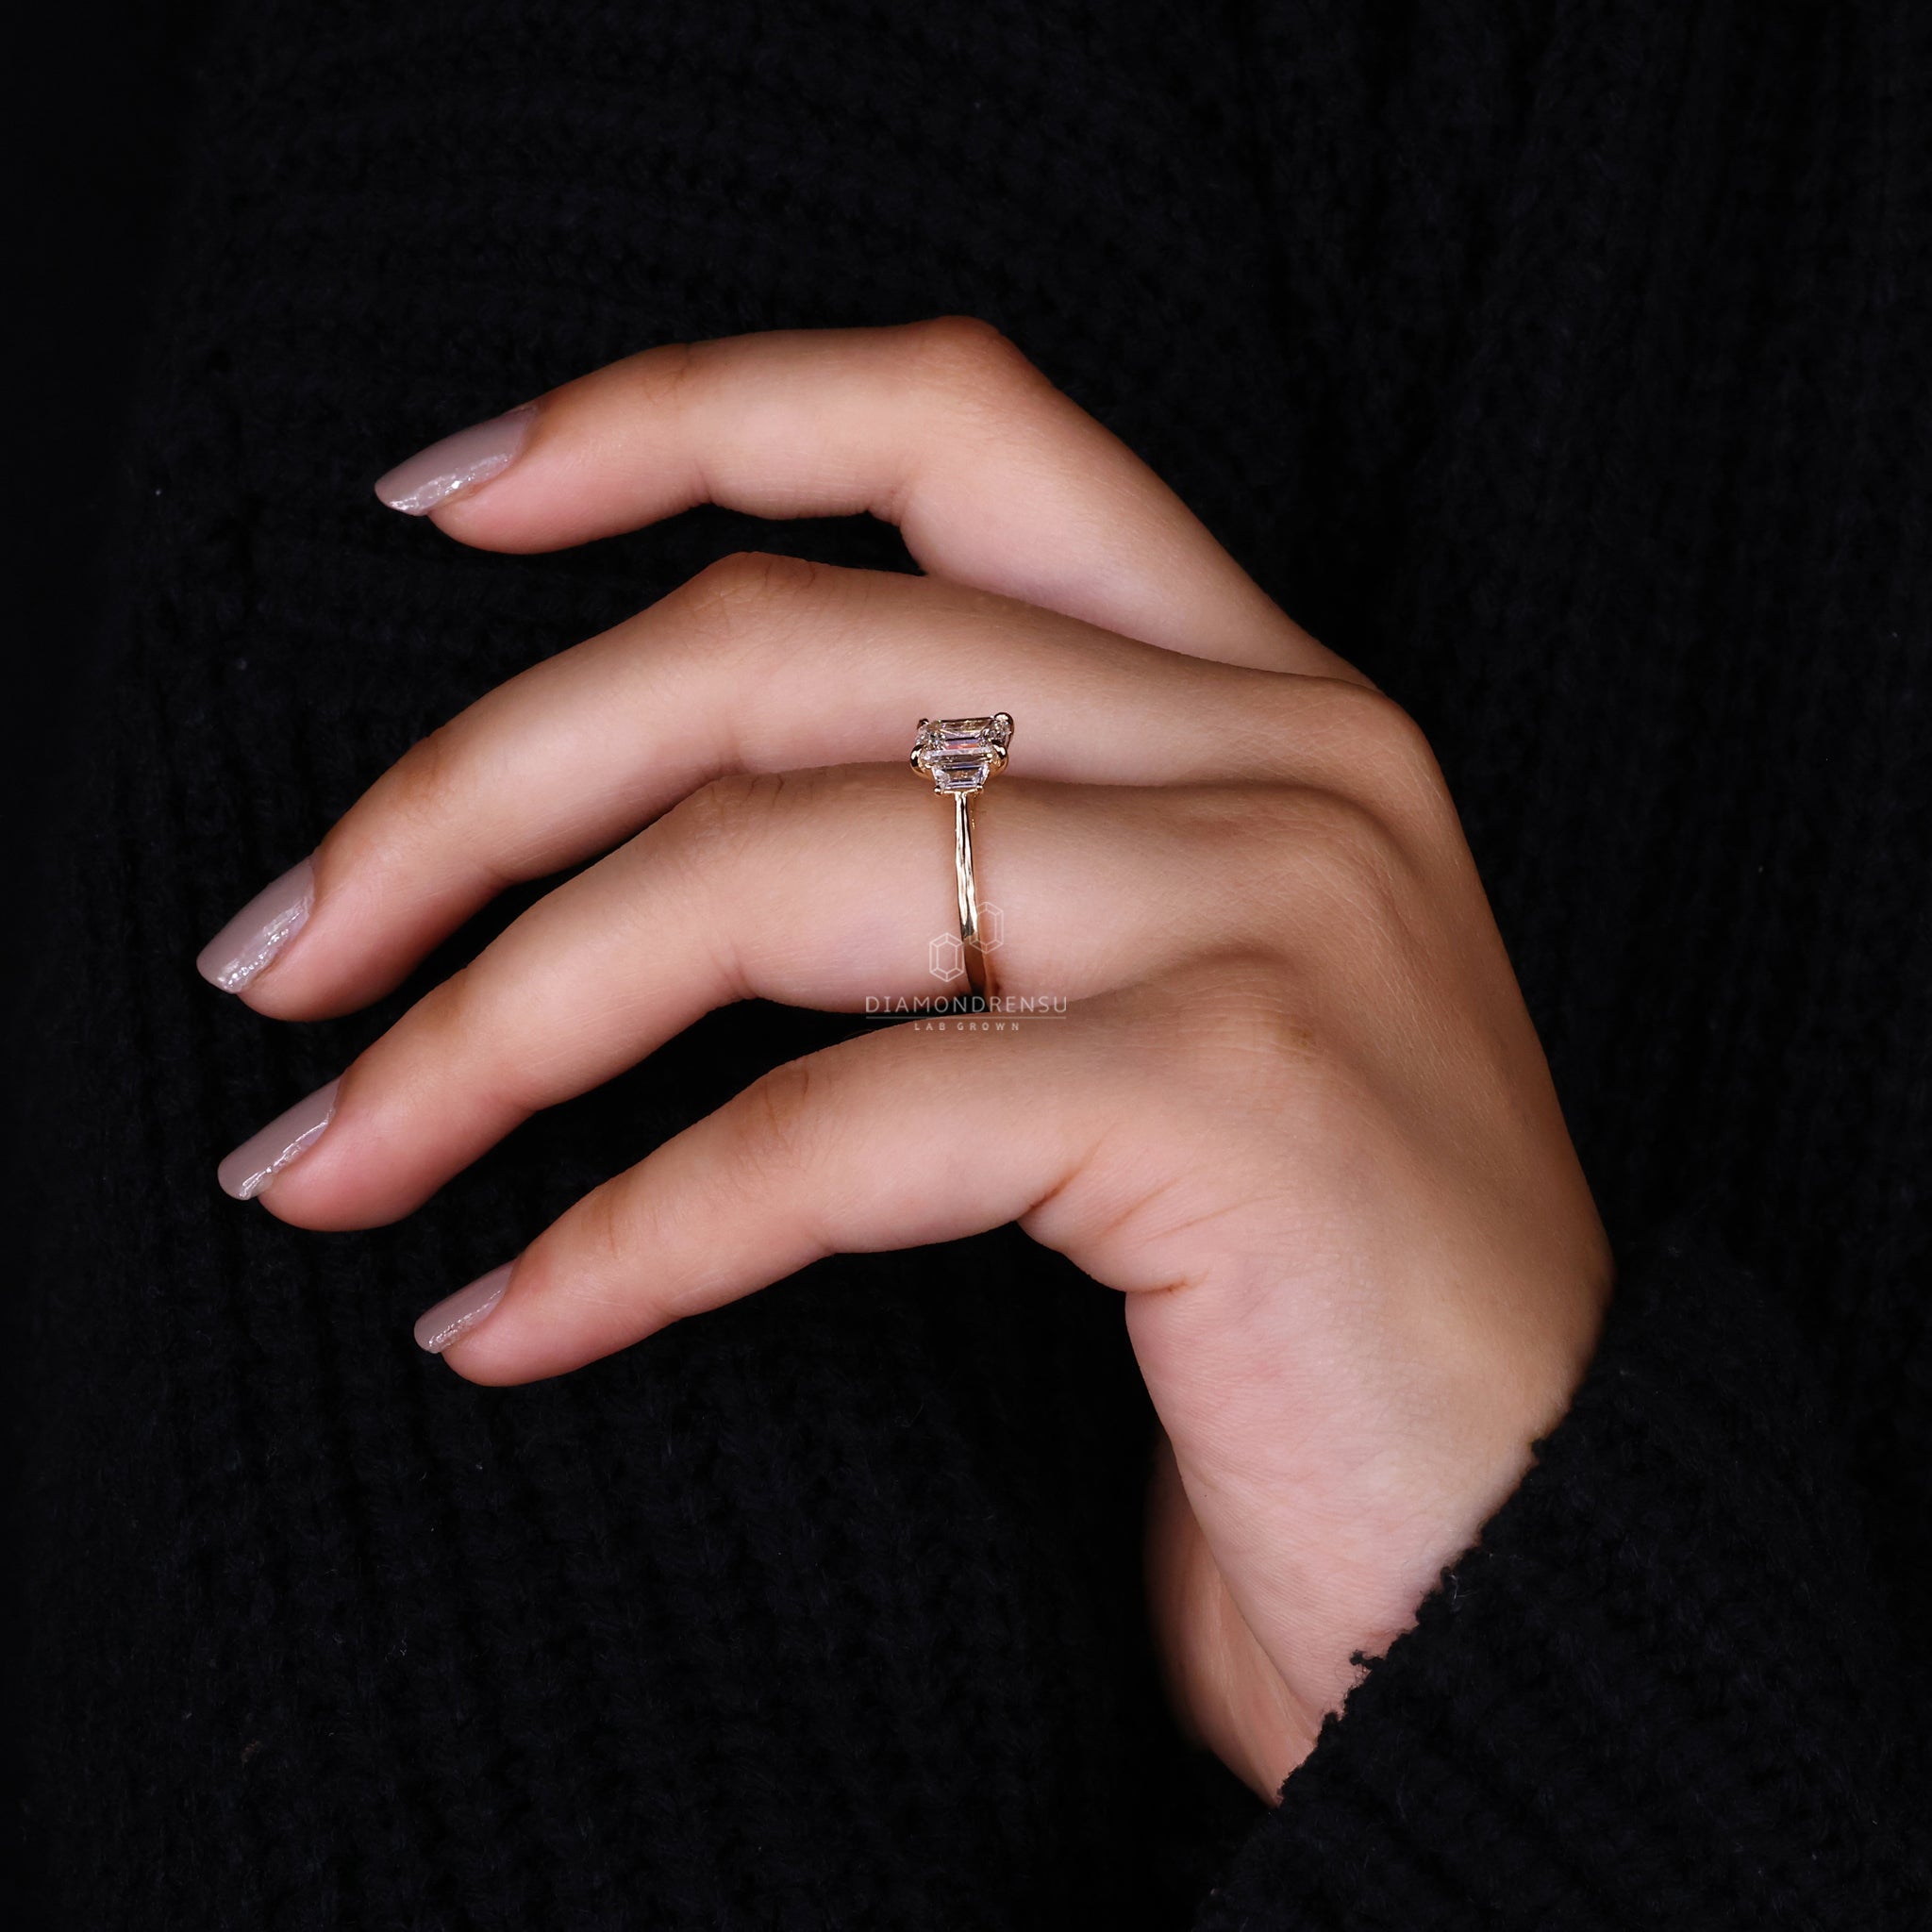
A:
(824, 888)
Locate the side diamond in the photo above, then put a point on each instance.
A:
(961, 753)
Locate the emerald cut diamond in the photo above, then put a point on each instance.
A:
(961, 753)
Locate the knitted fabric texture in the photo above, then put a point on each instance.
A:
(1563, 366)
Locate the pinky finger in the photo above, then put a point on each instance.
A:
(854, 1149)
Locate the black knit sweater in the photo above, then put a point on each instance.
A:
(1563, 365)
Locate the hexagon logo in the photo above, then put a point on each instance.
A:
(946, 956)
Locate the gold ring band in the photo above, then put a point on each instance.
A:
(960, 756)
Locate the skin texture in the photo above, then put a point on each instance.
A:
(1295, 1111)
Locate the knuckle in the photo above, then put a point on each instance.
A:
(718, 812)
(1348, 883)
(607, 1229)
(661, 377)
(444, 1016)
(763, 574)
(777, 1120)
(1238, 1026)
(1334, 845)
(458, 1029)
(1395, 743)
(1389, 756)
(965, 356)
(1362, 847)
(426, 782)
(742, 599)
(716, 825)
(714, 843)
(1302, 858)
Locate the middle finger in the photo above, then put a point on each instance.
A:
(759, 664)
(824, 888)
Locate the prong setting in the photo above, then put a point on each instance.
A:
(961, 754)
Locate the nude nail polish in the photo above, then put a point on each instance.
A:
(253, 1164)
(463, 461)
(261, 930)
(457, 1314)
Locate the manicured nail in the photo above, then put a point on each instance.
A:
(436, 1327)
(463, 462)
(262, 1156)
(259, 930)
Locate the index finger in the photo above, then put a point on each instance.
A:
(995, 478)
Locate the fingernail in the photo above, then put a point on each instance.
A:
(457, 1314)
(262, 1156)
(461, 461)
(259, 930)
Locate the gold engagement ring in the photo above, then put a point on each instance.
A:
(960, 756)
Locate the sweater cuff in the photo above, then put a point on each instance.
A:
(1661, 1652)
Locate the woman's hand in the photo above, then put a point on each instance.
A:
(1295, 1109)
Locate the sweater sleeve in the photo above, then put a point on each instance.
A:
(1654, 1694)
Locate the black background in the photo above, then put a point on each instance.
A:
(102, 118)
(98, 118)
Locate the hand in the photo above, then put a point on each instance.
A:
(1295, 1112)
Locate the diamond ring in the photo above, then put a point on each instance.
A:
(959, 756)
